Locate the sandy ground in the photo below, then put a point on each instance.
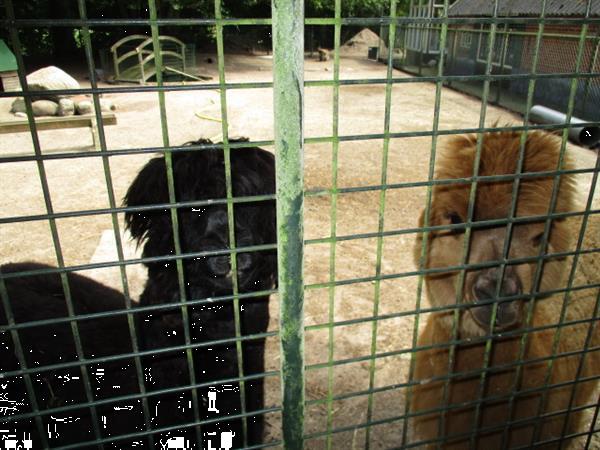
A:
(80, 184)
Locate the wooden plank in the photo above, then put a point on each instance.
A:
(55, 123)
(132, 73)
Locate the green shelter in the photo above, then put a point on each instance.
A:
(8, 69)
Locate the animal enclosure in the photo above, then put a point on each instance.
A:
(357, 147)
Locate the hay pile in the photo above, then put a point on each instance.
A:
(359, 43)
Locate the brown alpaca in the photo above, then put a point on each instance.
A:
(451, 421)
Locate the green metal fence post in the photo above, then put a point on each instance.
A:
(288, 90)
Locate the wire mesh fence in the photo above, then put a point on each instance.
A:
(414, 268)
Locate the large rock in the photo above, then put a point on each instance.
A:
(46, 79)
(51, 78)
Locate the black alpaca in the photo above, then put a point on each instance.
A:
(200, 175)
(40, 298)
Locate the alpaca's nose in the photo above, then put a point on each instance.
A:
(486, 283)
(487, 289)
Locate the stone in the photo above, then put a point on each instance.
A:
(84, 107)
(51, 78)
(18, 106)
(44, 108)
(66, 107)
(87, 106)
(107, 105)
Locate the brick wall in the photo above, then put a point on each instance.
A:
(558, 54)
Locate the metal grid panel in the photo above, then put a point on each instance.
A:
(288, 79)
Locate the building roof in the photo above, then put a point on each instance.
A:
(8, 61)
(507, 8)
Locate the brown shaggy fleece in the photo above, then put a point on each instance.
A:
(518, 393)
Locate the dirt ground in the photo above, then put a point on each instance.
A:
(80, 184)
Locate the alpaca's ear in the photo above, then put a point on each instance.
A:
(148, 188)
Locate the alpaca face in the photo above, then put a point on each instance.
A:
(207, 229)
(200, 175)
(494, 288)
(488, 285)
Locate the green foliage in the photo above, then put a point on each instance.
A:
(51, 41)
(350, 8)
(185, 8)
(78, 36)
(355, 8)
(36, 41)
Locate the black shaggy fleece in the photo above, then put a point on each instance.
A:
(41, 298)
(200, 175)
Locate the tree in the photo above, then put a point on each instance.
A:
(62, 42)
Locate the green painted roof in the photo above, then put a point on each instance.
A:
(8, 61)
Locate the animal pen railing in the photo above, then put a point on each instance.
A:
(289, 88)
(139, 64)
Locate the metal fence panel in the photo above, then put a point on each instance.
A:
(513, 62)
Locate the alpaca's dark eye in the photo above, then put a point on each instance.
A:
(537, 239)
(454, 218)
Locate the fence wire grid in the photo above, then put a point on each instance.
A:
(361, 396)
